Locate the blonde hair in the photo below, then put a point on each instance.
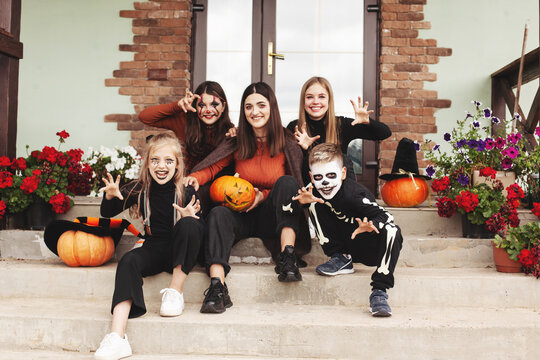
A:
(331, 122)
(325, 153)
(145, 179)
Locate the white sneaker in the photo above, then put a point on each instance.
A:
(172, 302)
(113, 347)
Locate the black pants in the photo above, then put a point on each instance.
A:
(226, 227)
(371, 249)
(154, 257)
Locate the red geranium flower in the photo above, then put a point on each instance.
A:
(19, 164)
(446, 207)
(514, 192)
(467, 200)
(48, 154)
(488, 172)
(2, 209)
(6, 179)
(527, 258)
(60, 203)
(536, 209)
(440, 184)
(29, 184)
(4, 161)
(63, 134)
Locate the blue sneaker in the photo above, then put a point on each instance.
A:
(378, 305)
(338, 264)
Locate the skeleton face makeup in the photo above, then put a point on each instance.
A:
(328, 177)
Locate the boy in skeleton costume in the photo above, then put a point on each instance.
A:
(350, 225)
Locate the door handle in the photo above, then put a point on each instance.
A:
(270, 58)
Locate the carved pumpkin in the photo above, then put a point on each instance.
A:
(78, 248)
(403, 192)
(233, 192)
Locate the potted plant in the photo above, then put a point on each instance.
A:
(469, 168)
(123, 162)
(42, 183)
(519, 247)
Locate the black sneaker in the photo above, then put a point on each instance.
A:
(226, 298)
(338, 264)
(286, 267)
(214, 298)
(378, 304)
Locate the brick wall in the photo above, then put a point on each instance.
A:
(405, 106)
(159, 72)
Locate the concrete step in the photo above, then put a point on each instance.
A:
(418, 250)
(279, 330)
(72, 355)
(249, 284)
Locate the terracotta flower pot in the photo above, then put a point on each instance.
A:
(502, 261)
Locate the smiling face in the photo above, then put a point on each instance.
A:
(162, 164)
(316, 101)
(327, 177)
(209, 108)
(257, 112)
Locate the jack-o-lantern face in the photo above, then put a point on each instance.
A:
(232, 192)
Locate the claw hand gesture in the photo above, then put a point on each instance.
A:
(186, 101)
(112, 187)
(361, 113)
(364, 226)
(303, 139)
(190, 209)
(305, 196)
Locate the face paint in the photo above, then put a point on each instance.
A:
(327, 178)
(209, 108)
(162, 164)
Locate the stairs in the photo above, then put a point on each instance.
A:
(448, 303)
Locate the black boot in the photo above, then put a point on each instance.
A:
(286, 267)
(216, 298)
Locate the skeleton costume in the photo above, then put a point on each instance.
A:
(334, 222)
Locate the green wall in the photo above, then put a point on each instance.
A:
(70, 48)
(484, 35)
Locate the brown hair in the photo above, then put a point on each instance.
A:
(331, 122)
(142, 184)
(195, 134)
(324, 153)
(275, 138)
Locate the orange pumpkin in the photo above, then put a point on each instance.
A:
(78, 248)
(233, 192)
(403, 192)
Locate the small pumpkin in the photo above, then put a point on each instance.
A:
(79, 248)
(404, 192)
(233, 192)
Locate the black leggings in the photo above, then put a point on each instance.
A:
(154, 257)
(227, 227)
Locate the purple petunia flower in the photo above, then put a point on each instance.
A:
(416, 146)
(495, 120)
(490, 144)
(461, 143)
(487, 112)
(447, 136)
(463, 179)
(436, 147)
(476, 103)
(476, 124)
(430, 170)
(468, 115)
(506, 163)
(472, 143)
(517, 116)
(480, 145)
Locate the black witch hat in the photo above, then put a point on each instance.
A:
(405, 162)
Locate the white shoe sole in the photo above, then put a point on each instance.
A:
(170, 313)
(339, 272)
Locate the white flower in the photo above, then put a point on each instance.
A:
(109, 167)
(119, 163)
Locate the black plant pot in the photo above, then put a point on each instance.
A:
(471, 230)
(39, 215)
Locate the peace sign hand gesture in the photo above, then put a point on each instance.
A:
(361, 113)
(112, 187)
(185, 102)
